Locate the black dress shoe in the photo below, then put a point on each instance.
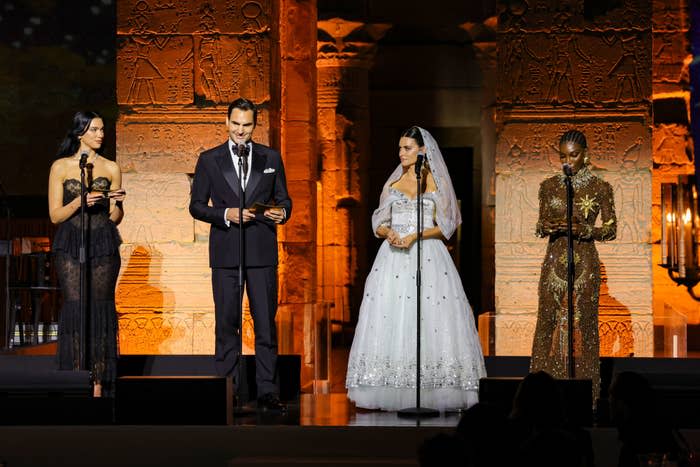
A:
(270, 401)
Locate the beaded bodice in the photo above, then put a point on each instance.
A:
(404, 213)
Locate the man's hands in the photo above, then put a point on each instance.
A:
(275, 214)
(232, 215)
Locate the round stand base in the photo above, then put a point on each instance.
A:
(418, 412)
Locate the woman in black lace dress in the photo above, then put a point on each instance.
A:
(104, 211)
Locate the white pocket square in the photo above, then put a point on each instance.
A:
(269, 170)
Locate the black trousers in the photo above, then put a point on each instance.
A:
(261, 286)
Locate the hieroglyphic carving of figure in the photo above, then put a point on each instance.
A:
(629, 192)
(249, 75)
(516, 64)
(517, 201)
(563, 66)
(145, 71)
(209, 59)
(253, 17)
(513, 15)
(672, 146)
(632, 154)
(140, 16)
(207, 22)
(664, 46)
(626, 67)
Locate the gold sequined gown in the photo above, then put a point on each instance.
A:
(594, 207)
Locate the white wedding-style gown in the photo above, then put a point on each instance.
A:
(382, 364)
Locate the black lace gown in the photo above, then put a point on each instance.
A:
(103, 262)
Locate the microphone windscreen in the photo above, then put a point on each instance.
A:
(568, 170)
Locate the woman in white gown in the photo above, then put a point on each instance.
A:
(382, 364)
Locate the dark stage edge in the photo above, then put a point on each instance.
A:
(238, 446)
(33, 392)
(318, 430)
(211, 446)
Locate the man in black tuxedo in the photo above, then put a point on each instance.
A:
(222, 173)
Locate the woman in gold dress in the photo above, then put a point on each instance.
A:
(593, 198)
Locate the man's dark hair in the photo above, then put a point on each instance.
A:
(244, 104)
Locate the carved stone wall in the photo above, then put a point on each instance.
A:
(572, 67)
(179, 65)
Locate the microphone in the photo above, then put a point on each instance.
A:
(83, 159)
(568, 170)
(419, 163)
(243, 162)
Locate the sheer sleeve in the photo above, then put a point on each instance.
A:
(608, 229)
(382, 215)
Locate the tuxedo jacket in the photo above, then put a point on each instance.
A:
(215, 179)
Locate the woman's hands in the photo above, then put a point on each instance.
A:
(402, 242)
(559, 226)
(118, 195)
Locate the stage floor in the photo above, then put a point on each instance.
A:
(336, 410)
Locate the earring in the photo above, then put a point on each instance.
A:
(586, 160)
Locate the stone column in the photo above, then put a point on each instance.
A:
(297, 117)
(571, 67)
(345, 53)
(179, 65)
(483, 36)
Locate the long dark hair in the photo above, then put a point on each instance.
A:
(81, 122)
(415, 134)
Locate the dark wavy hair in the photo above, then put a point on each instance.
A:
(81, 122)
(414, 132)
(244, 104)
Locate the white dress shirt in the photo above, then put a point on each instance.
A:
(234, 157)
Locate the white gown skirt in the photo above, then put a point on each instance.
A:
(382, 364)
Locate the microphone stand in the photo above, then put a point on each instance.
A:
(570, 272)
(418, 411)
(84, 324)
(239, 409)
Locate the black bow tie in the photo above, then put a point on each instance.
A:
(242, 151)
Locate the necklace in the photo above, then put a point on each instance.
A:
(88, 161)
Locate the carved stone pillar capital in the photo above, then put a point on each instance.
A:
(345, 43)
(345, 54)
(483, 36)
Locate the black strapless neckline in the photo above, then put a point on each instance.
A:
(109, 182)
